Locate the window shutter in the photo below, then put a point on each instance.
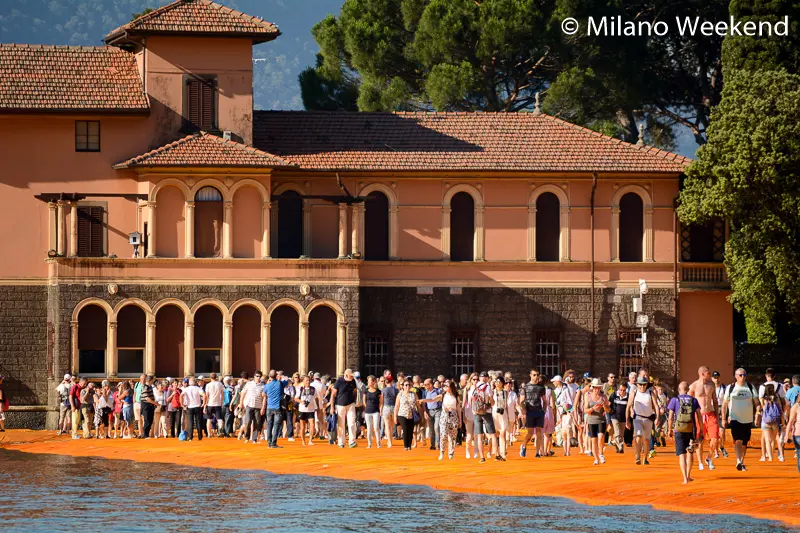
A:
(193, 107)
(96, 234)
(83, 231)
(207, 116)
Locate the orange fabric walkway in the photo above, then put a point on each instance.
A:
(765, 491)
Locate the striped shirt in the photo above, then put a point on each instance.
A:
(146, 394)
(253, 395)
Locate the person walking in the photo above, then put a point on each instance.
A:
(193, 399)
(683, 424)
(450, 419)
(499, 417)
(343, 402)
(482, 402)
(254, 404)
(771, 419)
(75, 405)
(433, 413)
(469, 416)
(619, 407)
(373, 406)
(531, 398)
(565, 416)
(793, 428)
(227, 406)
(274, 393)
(148, 407)
(596, 404)
(306, 400)
(174, 410)
(137, 404)
(128, 421)
(405, 411)
(719, 392)
(642, 410)
(64, 418)
(704, 391)
(214, 398)
(739, 410)
(389, 399)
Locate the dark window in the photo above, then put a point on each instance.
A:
(631, 228)
(91, 231)
(463, 352)
(290, 225)
(87, 135)
(208, 222)
(376, 227)
(703, 243)
(130, 361)
(629, 352)
(547, 345)
(376, 354)
(206, 360)
(92, 361)
(462, 227)
(200, 99)
(548, 227)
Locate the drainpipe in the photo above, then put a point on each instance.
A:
(592, 339)
(675, 350)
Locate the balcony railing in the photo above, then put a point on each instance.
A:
(704, 275)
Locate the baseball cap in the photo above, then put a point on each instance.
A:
(715, 374)
(484, 374)
(642, 381)
(67, 376)
(556, 379)
(316, 375)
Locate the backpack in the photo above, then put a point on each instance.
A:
(480, 403)
(772, 413)
(685, 419)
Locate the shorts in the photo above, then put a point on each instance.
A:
(595, 430)
(682, 441)
(305, 416)
(642, 427)
(740, 431)
(534, 419)
(710, 425)
(137, 411)
(773, 427)
(127, 414)
(214, 412)
(484, 424)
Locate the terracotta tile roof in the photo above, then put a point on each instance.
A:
(450, 141)
(203, 149)
(198, 17)
(69, 78)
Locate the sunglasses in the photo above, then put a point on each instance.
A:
(406, 384)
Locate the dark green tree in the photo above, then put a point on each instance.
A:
(135, 16)
(766, 52)
(749, 174)
(325, 94)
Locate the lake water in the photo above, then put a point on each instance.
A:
(51, 493)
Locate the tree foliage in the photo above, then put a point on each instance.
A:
(147, 10)
(494, 55)
(749, 174)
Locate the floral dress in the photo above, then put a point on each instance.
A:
(448, 424)
(408, 404)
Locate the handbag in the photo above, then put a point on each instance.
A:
(416, 416)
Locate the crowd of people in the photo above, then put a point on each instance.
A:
(485, 413)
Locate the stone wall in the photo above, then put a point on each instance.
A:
(505, 320)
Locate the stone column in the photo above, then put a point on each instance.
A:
(302, 348)
(479, 253)
(188, 349)
(341, 348)
(189, 222)
(73, 229)
(226, 363)
(614, 233)
(647, 247)
(392, 233)
(61, 246)
(265, 230)
(227, 229)
(307, 228)
(532, 233)
(75, 352)
(564, 236)
(53, 224)
(111, 349)
(342, 230)
(355, 236)
(446, 233)
(151, 229)
(150, 348)
(266, 330)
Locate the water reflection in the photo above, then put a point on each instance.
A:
(58, 493)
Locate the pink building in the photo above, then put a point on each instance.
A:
(456, 241)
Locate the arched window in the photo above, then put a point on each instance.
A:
(631, 228)
(462, 227)
(208, 222)
(131, 331)
(376, 227)
(92, 340)
(548, 227)
(207, 339)
(290, 225)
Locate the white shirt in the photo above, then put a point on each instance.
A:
(312, 400)
(192, 397)
(253, 395)
(740, 404)
(320, 388)
(215, 392)
(778, 389)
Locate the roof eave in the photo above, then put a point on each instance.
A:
(74, 111)
(124, 36)
(145, 166)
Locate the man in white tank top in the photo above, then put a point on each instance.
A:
(643, 410)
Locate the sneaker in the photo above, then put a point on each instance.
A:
(700, 466)
(651, 454)
(499, 458)
(468, 455)
(588, 452)
(763, 459)
(290, 439)
(743, 468)
(450, 456)
(638, 461)
(646, 462)
(341, 446)
(710, 464)
(483, 460)
(739, 466)
(724, 453)
(781, 458)
(353, 444)
(76, 437)
(522, 451)
(602, 459)
(441, 456)
(596, 462)
(538, 455)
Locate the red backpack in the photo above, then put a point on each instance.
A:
(176, 399)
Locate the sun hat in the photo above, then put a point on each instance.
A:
(67, 377)
(556, 379)
(642, 381)
(597, 383)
